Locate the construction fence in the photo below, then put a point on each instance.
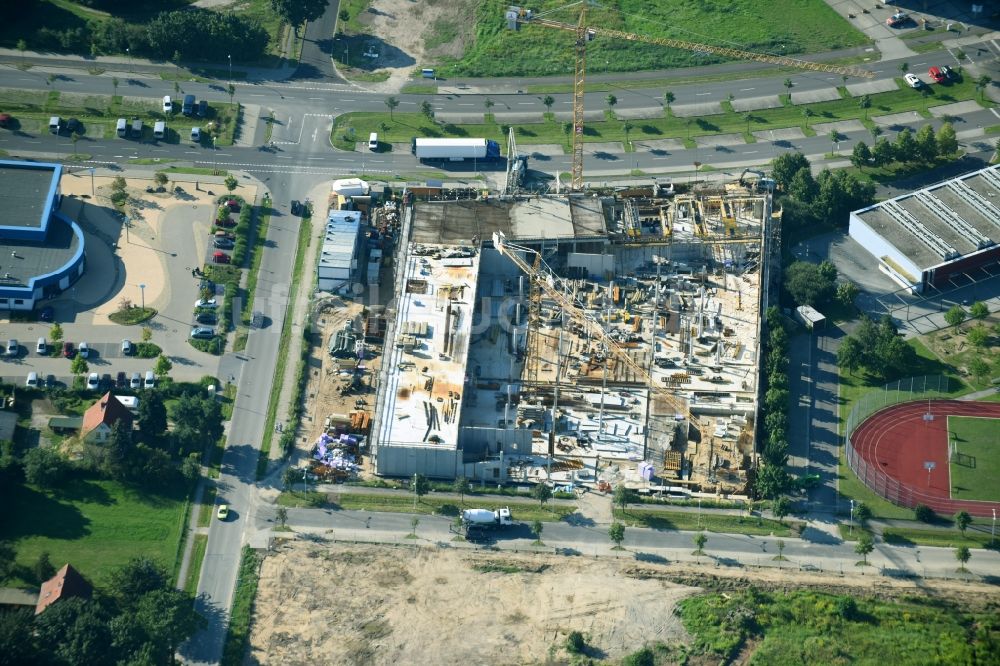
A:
(894, 393)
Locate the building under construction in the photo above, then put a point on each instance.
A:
(579, 335)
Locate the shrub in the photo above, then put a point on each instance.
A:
(575, 643)
(924, 513)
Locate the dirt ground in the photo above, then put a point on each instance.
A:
(409, 27)
(346, 604)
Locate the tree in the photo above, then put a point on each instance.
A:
(807, 285)
(979, 369)
(962, 554)
(621, 496)
(136, 578)
(962, 521)
(924, 513)
(413, 525)
(344, 15)
(978, 336)
(146, 334)
(281, 515)
(803, 186)
(536, 529)
(781, 549)
(119, 453)
(781, 507)
(297, 12)
(74, 137)
(391, 103)
(846, 293)
(542, 493)
(982, 83)
(18, 644)
(461, 486)
(22, 46)
(617, 533)
(955, 315)
(79, 366)
(785, 166)
(162, 366)
(152, 415)
(567, 128)
(611, 101)
(289, 477)
(231, 89)
(883, 153)
(45, 467)
(114, 84)
(904, 67)
(575, 643)
(865, 102)
(862, 512)
(8, 560)
(161, 179)
(772, 479)
(699, 542)
(56, 334)
(168, 618)
(979, 310)
(947, 141)
(927, 148)
(75, 631)
(834, 137)
(668, 98)
(548, 101)
(861, 155)
(905, 147)
(864, 546)
(427, 110)
(788, 85)
(626, 128)
(43, 568)
(231, 183)
(807, 113)
(421, 486)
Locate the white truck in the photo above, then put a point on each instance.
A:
(455, 150)
(477, 520)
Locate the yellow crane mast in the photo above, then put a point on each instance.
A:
(584, 33)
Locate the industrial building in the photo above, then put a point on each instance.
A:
(549, 335)
(339, 259)
(939, 237)
(43, 250)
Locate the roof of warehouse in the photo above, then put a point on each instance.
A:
(24, 188)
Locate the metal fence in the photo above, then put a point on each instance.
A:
(895, 393)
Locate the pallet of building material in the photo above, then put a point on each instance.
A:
(672, 461)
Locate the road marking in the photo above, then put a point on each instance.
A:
(411, 103)
(191, 152)
(920, 64)
(284, 157)
(348, 100)
(746, 89)
(225, 154)
(995, 112)
(256, 95)
(750, 152)
(526, 103)
(319, 98)
(459, 104)
(317, 158)
(700, 94)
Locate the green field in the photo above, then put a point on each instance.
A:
(709, 522)
(94, 525)
(975, 469)
(805, 26)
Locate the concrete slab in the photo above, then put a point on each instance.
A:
(755, 103)
(785, 134)
(955, 109)
(518, 117)
(910, 118)
(813, 96)
(563, 116)
(841, 127)
(872, 87)
(469, 118)
(659, 144)
(720, 140)
(640, 113)
(612, 147)
(543, 150)
(692, 110)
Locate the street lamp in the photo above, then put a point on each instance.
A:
(142, 294)
(230, 68)
(993, 530)
(128, 54)
(699, 513)
(852, 517)
(215, 158)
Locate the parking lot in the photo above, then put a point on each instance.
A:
(150, 263)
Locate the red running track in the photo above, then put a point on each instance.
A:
(897, 441)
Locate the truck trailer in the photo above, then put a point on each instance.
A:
(455, 150)
(484, 519)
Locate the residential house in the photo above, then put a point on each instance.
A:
(65, 584)
(102, 416)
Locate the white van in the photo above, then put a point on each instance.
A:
(55, 124)
(150, 380)
(83, 350)
(159, 129)
(41, 347)
(196, 134)
(373, 141)
(121, 127)
(32, 381)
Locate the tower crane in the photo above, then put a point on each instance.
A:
(544, 279)
(517, 16)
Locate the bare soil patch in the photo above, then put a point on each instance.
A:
(360, 604)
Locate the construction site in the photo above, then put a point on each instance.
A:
(583, 340)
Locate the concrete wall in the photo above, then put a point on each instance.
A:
(478, 443)
(436, 463)
(879, 247)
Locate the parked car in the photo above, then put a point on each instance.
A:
(224, 243)
(897, 19)
(168, 105)
(121, 379)
(196, 134)
(203, 108)
(296, 207)
(106, 382)
(202, 333)
(207, 318)
(73, 125)
(226, 223)
(32, 381)
(13, 347)
(223, 512)
(149, 381)
(127, 347)
(42, 347)
(937, 75)
(68, 350)
(206, 303)
(136, 381)
(220, 258)
(5, 119)
(948, 72)
(913, 81)
(84, 350)
(50, 381)
(234, 205)
(93, 381)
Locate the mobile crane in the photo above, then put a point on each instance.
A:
(517, 16)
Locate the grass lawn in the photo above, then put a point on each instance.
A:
(402, 127)
(95, 525)
(198, 549)
(952, 345)
(975, 467)
(399, 503)
(805, 26)
(710, 522)
(944, 538)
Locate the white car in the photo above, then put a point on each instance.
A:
(206, 303)
(913, 81)
(168, 105)
(92, 381)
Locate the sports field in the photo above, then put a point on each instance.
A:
(975, 459)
